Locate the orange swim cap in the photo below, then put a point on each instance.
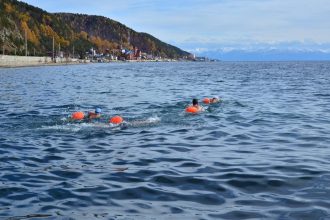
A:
(116, 120)
(191, 109)
(78, 115)
(206, 101)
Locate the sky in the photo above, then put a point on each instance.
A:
(216, 25)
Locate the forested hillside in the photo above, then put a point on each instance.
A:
(81, 32)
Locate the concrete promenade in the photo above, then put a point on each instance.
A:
(13, 61)
(19, 61)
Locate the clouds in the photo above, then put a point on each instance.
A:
(212, 21)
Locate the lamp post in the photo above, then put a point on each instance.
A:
(3, 42)
(26, 51)
(53, 50)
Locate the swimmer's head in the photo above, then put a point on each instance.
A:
(98, 111)
(215, 99)
(195, 101)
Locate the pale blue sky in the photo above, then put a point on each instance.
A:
(206, 23)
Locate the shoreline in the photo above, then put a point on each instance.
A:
(40, 65)
(76, 63)
(8, 61)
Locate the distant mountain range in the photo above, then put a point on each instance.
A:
(265, 55)
(245, 51)
(81, 32)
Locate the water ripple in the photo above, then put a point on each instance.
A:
(261, 153)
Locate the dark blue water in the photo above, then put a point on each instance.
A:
(262, 153)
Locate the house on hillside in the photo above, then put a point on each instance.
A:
(134, 54)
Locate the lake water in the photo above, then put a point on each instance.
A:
(262, 153)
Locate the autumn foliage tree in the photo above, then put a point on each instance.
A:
(18, 19)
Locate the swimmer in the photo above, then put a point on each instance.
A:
(214, 100)
(195, 107)
(95, 114)
(211, 100)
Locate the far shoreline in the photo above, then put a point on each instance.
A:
(79, 63)
(12, 61)
(40, 65)
(8, 61)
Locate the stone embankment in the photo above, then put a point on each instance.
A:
(18, 61)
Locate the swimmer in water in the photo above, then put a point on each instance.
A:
(197, 106)
(214, 100)
(211, 100)
(95, 114)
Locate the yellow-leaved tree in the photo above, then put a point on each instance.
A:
(31, 35)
